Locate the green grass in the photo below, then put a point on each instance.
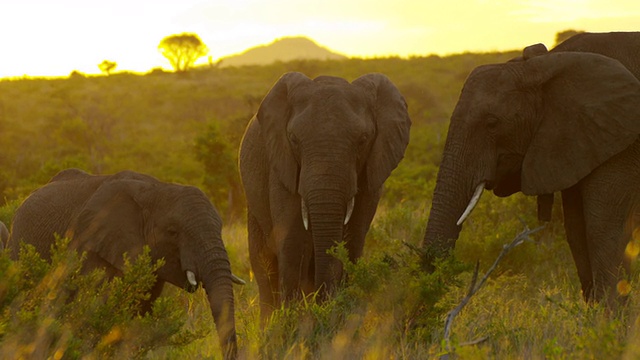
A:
(530, 307)
(176, 127)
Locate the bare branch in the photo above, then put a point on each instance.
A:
(473, 288)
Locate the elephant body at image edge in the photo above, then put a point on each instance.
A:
(4, 235)
(108, 215)
(560, 122)
(622, 46)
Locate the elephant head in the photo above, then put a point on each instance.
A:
(107, 216)
(329, 145)
(538, 125)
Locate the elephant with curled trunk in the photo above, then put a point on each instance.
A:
(564, 122)
(106, 216)
(313, 161)
(622, 46)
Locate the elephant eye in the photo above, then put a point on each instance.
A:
(492, 122)
(172, 231)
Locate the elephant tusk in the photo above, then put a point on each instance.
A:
(472, 204)
(305, 215)
(349, 210)
(191, 277)
(237, 280)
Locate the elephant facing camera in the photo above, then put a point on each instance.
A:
(313, 161)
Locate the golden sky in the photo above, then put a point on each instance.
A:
(55, 37)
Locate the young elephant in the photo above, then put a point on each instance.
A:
(106, 216)
(313, 161)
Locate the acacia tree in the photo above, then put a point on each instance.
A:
(182, 50)
(107, 66)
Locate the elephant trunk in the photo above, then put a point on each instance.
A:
(217, 282)
(213, 269)
(327, 214)
(455, 189)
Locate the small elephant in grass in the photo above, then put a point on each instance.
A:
(564, 122)
(108, 215)
(312, 162)
(622, 46)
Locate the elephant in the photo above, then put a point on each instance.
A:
(564, 122)
(622, 46)
(108, 215)
(313, 161)
(4, 235)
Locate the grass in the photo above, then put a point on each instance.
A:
(530, 308)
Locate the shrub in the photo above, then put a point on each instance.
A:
(55, 310)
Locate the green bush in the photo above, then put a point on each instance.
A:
(55, 310)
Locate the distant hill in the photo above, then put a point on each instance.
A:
(284, 49)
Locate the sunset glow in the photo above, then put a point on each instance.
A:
(45, 38)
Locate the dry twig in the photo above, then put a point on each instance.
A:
(473, 287)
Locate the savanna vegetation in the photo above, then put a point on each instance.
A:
(186, 127)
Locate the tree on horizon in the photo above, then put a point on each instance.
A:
(564, 35)
(182, 50)
(107, 66)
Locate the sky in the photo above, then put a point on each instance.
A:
(54, 38)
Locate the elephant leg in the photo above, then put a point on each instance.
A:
(610, 200)
(264, 264)
(296, 264)
(574, 225)
(545, 207)
(358, 226)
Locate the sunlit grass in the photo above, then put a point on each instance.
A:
(531, 307)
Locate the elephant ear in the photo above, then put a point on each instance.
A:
(273, 116)
(589, 112)
(531, 51)
(112, 221)
(534, 50)
(392, 123)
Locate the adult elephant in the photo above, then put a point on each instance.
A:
(106, 216)
(565, 121)
(622, 46)
(312, 161)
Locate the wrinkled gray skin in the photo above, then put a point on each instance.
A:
(566, 121)
(313, 148)
(4, 235)
(109, 215)
(622, 46)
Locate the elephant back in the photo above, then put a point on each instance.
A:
(47, 213)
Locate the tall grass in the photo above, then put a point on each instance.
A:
(531, 307)
(388, 307)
